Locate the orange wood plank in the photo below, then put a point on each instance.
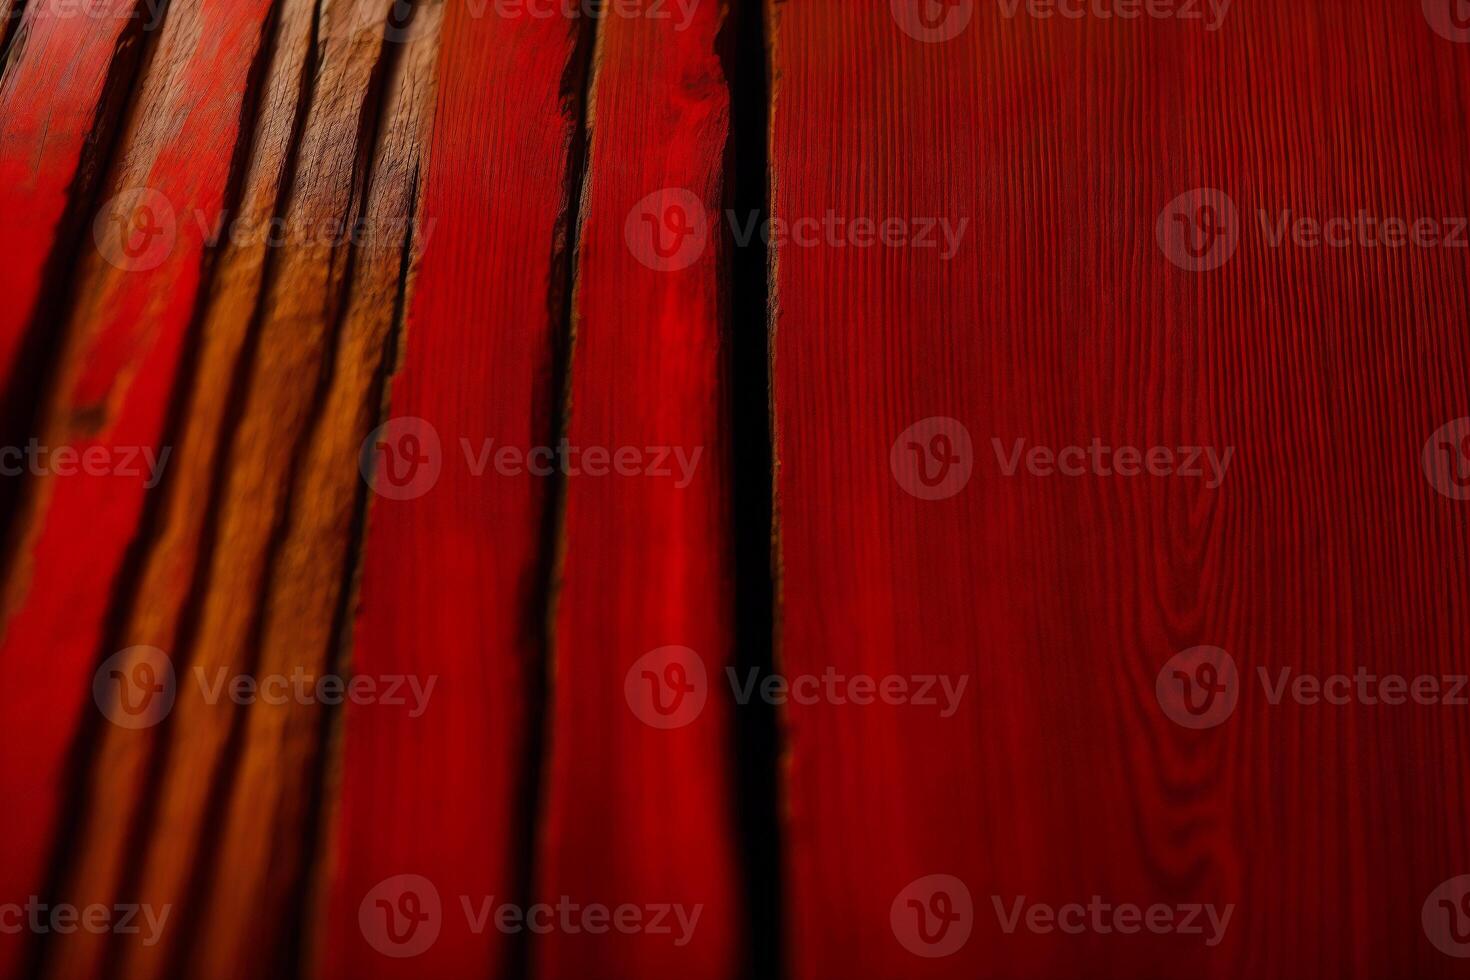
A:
(267, 841)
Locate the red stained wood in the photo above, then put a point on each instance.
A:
(554, 761)
(209, 760)
(452, 586)
(245, 565)
(1060, 599)
(867, 342)
(168, 584)
(118, 366)
(53, 93)
(647, 559)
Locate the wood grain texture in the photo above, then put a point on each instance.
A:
(162, 798)
(337, 257)
(167, 591)
(122, 344)
(647, 560)
(303, 296)
(256, 901)
(10, 12)
(1060, 319)
(867, 342)
(59, 94)
(453, 579)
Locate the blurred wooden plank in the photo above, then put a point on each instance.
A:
(223, 567)
(66, 79)
(164, 597)
(122, 343)
(434, 810)
(268, 842)
(647, 552)
(10, 11)
(1063, 600)
(270, 416)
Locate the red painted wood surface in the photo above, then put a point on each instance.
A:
(118, 369)
(647, 561)
(212, 743)
(452, 582)
(547, 259)
(163, 597)
(54, 95)
(1060, 319)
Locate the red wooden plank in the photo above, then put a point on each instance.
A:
(647, 553)
(452, 583)
(1062, 600)
(169, 581)
(866, 342)
(118, 367)
(54, 90)
(305, 295)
